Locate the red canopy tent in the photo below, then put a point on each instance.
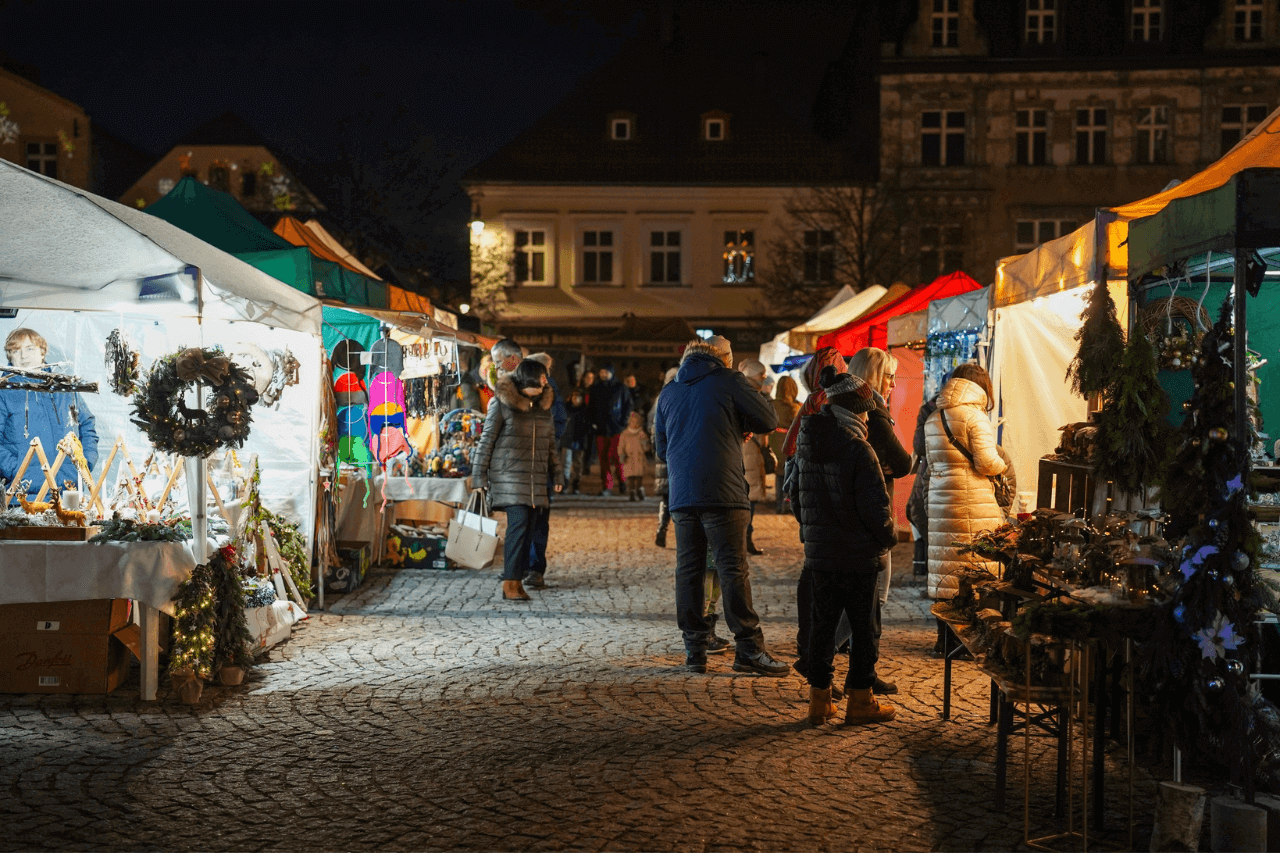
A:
(872, 330)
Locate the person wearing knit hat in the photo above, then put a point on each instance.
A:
(838, 495)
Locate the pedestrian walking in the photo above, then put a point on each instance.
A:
(587, 380)
(535, 577)
(660, 479)
(753, 450)
(574, 440)
(878, 369)
(513, 461)
(838, 494)
(633, 444)
(610, 405)
(698, 431)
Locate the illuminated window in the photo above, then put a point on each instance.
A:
(1248, 20)
(664, 257)
(531, 257)
(1238, 120)
(942, 138)
(1091, 136)
(42, 157)
(1029, 233)
(1041, 21)
(941, 250)
(1030, 134)
(946, 23)
(1148, 23)
(597, 257)
(715, 129)
(620, 128)
(1153, 135)
(739, 257)
(819, 257)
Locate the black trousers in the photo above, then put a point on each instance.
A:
(724, 531)
(832, 594)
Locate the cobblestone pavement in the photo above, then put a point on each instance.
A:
(422, 712)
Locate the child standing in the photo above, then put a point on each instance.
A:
(632, 446)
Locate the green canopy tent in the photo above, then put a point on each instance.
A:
(218, 219)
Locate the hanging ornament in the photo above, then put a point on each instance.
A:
(1213, 523)
(121, 361)
(1218, 434)
(1215, 685)
(1218, 638)
(1235, 667)
(1180, 613)
(1240, 561)
(1175, 362)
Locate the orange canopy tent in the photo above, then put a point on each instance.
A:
(872, 329)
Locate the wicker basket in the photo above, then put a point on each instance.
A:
(1187, 315)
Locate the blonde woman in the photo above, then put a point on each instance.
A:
(879, 370)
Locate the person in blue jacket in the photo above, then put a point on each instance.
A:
(25, 415)
(703, 417)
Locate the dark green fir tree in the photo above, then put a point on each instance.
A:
(1133, 437)
(232, 641)
(1196, 663)
(1101, 345)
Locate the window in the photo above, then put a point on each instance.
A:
(1153, 135)
(1238, 120)
(715, 129)
(739, 257)
(1041, 17)
(946, 23)
(664, 257)
(1148, 24)
(42, 157)
(248, 183)
(220, 178)
(1029, 233)
(941, 250)
(942, 138)
(597, 257)
(1030, 133)
(819, 257)
(620, 128)
(1248, 20)
(531, 257)
(1091, 136)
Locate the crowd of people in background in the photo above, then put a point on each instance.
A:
(716, 434)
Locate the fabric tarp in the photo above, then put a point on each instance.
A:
(1062, 264)
(323, 235)
(871, 330)
(966, 311)
(805, 336)
(908, 328)
(904, 406)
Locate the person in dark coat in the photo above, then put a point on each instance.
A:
(514, 460)
(574, 439)
(610, 405)
(702, 419)
(661, 482)
(542, 515)
(25, 415)
(838, 495)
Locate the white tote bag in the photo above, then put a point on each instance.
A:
(473, 536)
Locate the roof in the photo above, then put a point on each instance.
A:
(23, 80)
(764, 72)
(226, 129)
(871, 329)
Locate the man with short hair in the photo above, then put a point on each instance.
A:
(703, 417)
(610, 405)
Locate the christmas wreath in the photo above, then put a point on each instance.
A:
(160, 411)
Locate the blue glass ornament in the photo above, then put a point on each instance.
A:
(1180, 613)
(1215, 685)
(1235, 667)
(1213, 524)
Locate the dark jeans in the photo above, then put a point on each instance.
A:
(518, 543)
(538, 547)
(725, 532)
(804, 625)
(831, 594)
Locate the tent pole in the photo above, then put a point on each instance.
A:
(1240, 355)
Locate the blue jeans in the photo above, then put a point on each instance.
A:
(724, 531)
(538, 547)
(518, 543)
(832, 594)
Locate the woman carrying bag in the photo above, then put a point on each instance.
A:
(514, 461)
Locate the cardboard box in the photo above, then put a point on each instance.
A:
(429, 512)
(61, 663)
(97, 617)
(348, 575)
(415, 548)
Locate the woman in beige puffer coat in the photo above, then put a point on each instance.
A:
(962, 502)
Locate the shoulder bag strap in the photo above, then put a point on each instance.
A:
(964, 450)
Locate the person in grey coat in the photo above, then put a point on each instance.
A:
(515, 460)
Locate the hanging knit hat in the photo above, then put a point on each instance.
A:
(847, 391)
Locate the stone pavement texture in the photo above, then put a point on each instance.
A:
(422, 712)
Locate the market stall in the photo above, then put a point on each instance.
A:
(871, 329)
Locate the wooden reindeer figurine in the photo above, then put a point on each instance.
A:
(68, 518)
(34, 507)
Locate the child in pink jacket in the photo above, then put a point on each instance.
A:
(632, 446)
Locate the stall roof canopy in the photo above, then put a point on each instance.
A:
(960, 313)
(1260, 149)
(848, 308)
(64, 248)
(1062, 264)
(871, 330)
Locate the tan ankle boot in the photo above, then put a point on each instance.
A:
(863, 707)
(514, 591)
(821, 708)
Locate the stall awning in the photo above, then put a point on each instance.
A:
(967, 311)
(1062, 264)
(871, 330)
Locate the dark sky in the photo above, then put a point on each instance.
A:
(471, 73)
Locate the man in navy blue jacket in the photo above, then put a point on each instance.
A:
(703, 417)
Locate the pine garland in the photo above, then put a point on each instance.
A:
(233, 644)
(1101, 344)
(195, 613)
(1132, 442)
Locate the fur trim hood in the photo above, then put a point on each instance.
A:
(508, 393)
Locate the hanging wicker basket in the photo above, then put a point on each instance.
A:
(1187, 317)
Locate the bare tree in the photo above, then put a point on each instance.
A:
(835, 236)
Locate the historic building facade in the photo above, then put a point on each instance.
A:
(44, 132)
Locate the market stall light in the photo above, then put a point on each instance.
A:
(477, 226)
(464, 308)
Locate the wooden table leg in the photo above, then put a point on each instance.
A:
(149, 621)
(946, 673)
(1003, 729)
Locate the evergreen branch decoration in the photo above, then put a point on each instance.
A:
(160, 412)
(195, 613)
(233, 644)
(1132, 441)
(1101, 344)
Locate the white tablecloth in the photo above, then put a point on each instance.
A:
(443, 489)
(78, 571)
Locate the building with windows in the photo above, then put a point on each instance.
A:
(1010, 121)
(226, 154)
(44, 132)
(658, 186)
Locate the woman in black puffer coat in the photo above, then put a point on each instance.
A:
(838, 494)
(514, 461)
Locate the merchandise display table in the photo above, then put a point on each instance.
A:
(147, 572)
